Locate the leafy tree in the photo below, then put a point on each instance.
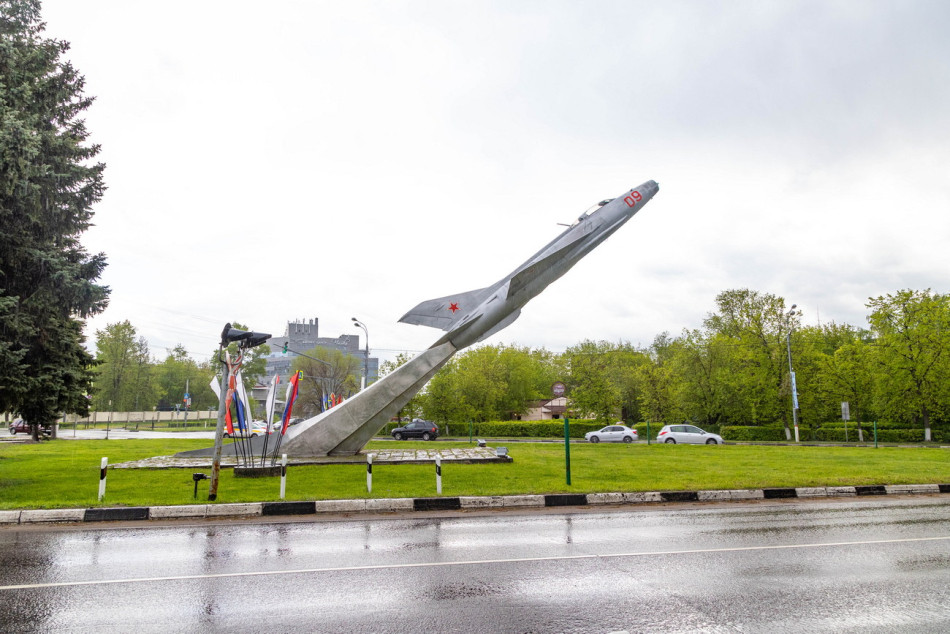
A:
(913, 348)
(124, 374)
(822, 384)
(336, 373)
(48, 186)
(701, 365)
(177, 371)
(756, 324)
(595, 385)
(444, 402)
(849, 376)
(657, 381)
(490, 382)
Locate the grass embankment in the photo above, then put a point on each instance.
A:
(65, 474)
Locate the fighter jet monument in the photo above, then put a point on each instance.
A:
(466, 318)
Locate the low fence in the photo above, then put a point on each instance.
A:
(124, 418)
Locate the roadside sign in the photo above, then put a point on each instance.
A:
(558, 389)
(845, 411)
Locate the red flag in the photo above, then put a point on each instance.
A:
(227, 406)
(290, 397)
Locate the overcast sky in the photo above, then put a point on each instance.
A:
(282, 160)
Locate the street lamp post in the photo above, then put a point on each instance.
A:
(366, 355)
(791, 373)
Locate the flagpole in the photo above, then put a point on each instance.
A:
(269, 414)
(219, 429)
(292, 387)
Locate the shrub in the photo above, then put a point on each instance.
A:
(535, 428)
(752, 433)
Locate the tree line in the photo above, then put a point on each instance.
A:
(734, 370)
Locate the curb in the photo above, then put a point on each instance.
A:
(398, 505)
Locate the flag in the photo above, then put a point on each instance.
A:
(227, 405)
(271, 395)
(243, 405)
(290, 397)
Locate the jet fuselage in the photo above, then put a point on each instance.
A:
(475, 315)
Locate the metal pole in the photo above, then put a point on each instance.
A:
(369, 473)
(791, 373)
(283, 475)
(366, 353)
(567, 448)
(438, 475)
(103, 468)
(219, 434)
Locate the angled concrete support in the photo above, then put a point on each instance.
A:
(346, 428)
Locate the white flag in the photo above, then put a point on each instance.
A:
(271, 397)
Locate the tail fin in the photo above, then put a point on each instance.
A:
(443, 312)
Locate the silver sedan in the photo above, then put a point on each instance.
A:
(687, 434)
(612, 433)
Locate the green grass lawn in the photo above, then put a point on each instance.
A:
(65, 474)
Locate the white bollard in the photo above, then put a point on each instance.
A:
(102, 478)
(369, 473)
(283, 475)
(438, 475)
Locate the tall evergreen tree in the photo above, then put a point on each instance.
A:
(48, 186)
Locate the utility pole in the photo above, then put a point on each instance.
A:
(791, 373)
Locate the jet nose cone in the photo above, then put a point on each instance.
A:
(649, 189)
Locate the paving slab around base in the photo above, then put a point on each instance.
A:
(459, 455)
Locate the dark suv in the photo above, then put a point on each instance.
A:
(417, 429)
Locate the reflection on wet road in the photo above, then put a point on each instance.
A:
(842, 565)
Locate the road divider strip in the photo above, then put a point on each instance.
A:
(399, 505)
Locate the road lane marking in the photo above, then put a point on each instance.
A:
(477, 562)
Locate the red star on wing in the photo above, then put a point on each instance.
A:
(453, 307)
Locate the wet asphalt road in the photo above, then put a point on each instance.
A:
(845, 565)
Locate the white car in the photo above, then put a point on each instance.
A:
(612, 433)
(687, 434)
(258, 428)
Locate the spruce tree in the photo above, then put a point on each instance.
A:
(49, 183)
